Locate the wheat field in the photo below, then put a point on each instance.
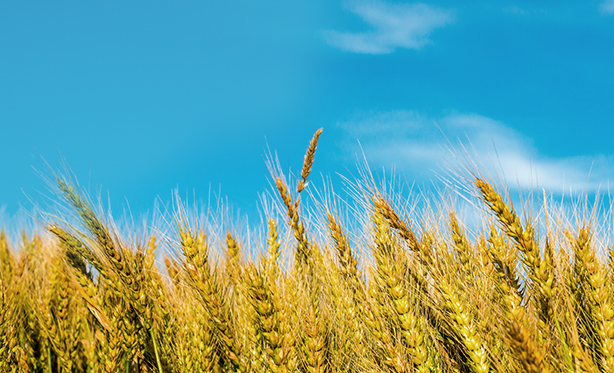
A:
(375, 285)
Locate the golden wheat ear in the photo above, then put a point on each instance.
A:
(349, 264)
(292, 206)
(540, 270)
(591, 287)
(308, 163)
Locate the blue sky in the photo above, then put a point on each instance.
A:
(141, 97)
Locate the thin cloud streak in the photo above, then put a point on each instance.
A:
(607, 7)
(422, 147)
(393, 26)
(525, 12)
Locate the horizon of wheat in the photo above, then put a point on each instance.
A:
(368, 285)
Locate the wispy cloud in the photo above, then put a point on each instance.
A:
(392, 26)
(525, 11)
(421, 146)
(607, 7)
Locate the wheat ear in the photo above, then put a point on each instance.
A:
(589, 271)
(308, 163)
(195, 250)
(540, 271)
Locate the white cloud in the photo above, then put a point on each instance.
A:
(607, 7)
(421, 146)
(393, 26)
